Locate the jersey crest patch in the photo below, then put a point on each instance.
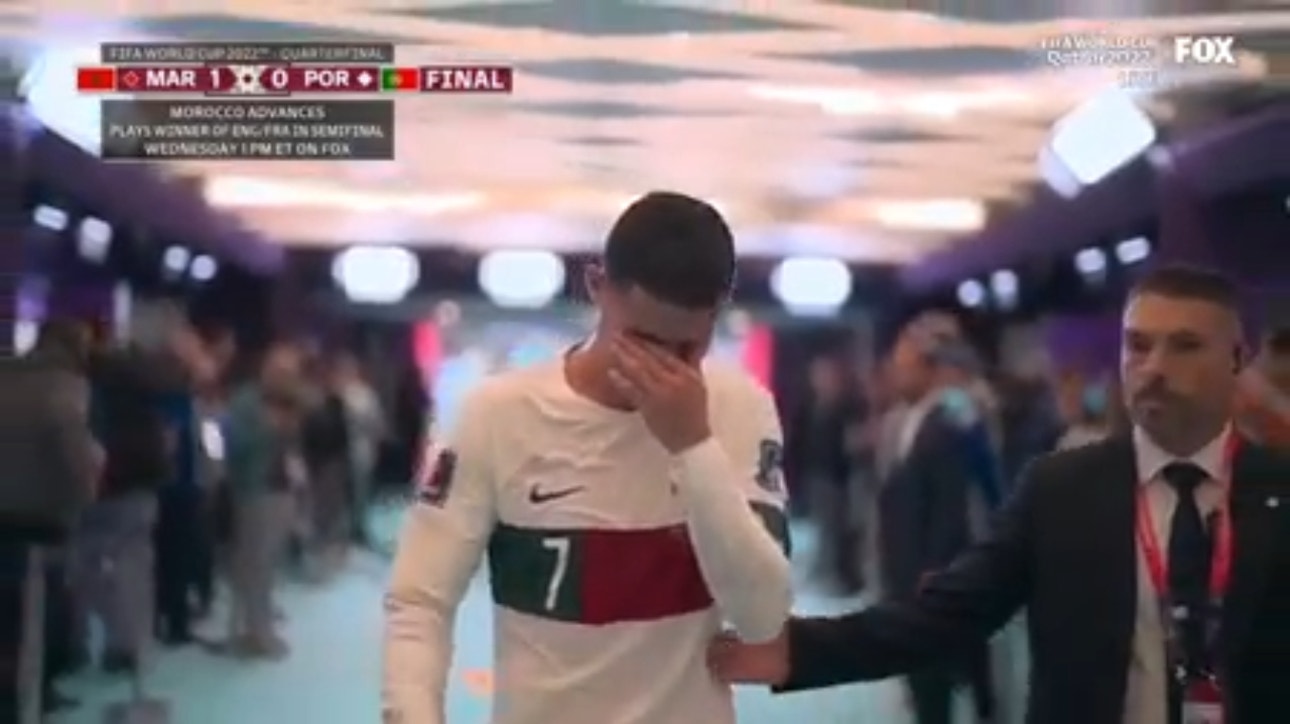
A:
(436, 481)
(770, 466)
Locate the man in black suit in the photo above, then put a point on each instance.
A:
(1091, 540)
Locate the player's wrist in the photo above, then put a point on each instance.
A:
(683, 444)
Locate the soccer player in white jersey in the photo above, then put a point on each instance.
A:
(629, 496)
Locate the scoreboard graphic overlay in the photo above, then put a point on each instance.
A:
(262, 101)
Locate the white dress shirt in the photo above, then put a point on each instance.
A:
(912, 422)
(1146, 699)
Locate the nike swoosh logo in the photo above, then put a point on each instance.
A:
(538, 497)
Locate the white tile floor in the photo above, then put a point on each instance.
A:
(331, 676)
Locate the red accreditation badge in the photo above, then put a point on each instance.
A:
(1202, 702)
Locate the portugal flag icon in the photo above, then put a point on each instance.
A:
(400, 79)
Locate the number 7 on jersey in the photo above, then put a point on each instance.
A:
(560, 547)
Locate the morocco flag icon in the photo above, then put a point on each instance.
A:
(95, 79)
(400, 79)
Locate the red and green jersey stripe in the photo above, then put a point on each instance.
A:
(596, 577)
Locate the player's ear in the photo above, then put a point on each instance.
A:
(593, 279)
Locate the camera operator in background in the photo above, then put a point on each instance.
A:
(52, 465)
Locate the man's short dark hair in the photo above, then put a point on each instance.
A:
(1189, 282)
(675, 247)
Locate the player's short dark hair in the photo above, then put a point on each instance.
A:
(1278, 342)
(1178, 281)
(675, 247)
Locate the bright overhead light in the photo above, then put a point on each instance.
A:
(94, 239)
(1004, 283)
(971, 293)
(49, 88)
(525, 278)
(176, 259)
(204, 269)
(852, 102)
(1101, 135)
(938, 105)
(376, 274)
(1132, 251)
(48, 217)
(250, 192)
(811, 285)
(1090, 261)
(948, 215)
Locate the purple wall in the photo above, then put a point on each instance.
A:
(1087, 343)
(1236, 155)
(1245, 236)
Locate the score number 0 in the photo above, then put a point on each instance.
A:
(277, 79)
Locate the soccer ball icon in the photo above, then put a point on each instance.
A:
(246, 79)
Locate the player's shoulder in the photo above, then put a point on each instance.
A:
(512, 388)
(731, 386)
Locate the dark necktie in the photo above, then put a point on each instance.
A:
(1190, 550)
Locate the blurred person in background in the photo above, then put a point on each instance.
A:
(865, 445)
(968, 398)
(182, 368)
(365, 420)
(967, 394)
(410, 416)
(115, 554)
(1030, 421)
(1085, 410)
(262, 467)
(818, 454)
(1263, 399)
(52, 468)
(325, 443)
(924, 505)
(211, 396)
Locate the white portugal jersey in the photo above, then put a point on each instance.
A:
(603, 608)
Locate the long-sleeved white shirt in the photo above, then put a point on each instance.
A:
(611, 562)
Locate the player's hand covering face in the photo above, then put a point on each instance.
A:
(669, 394)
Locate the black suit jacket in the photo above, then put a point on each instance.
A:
(817, 440)
(128, 389)
(1064, 549)
(923, 506)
